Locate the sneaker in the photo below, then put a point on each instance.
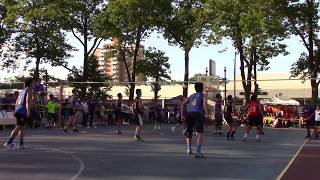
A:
(75, 130)
(244, 139)
(22, 147)
(173, 129)
(9, 146)
(88, 127)
(155, 127)
(159, 128)
(228, 138)
(65, 129)
(189, 152)
(118, 132)
(135, 138)
(140, 139)
(95, 127)
(199, 155)
(258, 140)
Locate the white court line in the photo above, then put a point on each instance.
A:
(81, 163)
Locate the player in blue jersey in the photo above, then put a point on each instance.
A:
(22, 112)
(196, 115)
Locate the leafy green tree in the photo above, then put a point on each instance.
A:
(256, 30)
(38, 34)
(95, 89)
(132, 21)
(79, 18)
(155, 66)
(185, 26)
(303, 19)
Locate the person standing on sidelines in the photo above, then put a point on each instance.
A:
(22, 112)
(119, 117)
(254, 118)
(317, 121)
(196, 111)
(228, 117)
(137, 115)
(309, 118)
(218, 115)
(72, 120)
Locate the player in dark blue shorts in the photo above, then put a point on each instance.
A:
(196, 115)
(22, 112)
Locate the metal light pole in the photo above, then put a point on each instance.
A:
(225, 85)
(234, 79)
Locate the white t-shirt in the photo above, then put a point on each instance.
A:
(317, 115)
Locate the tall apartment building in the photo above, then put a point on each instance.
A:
(112, 64)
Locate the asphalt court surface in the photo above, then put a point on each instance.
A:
(100, 154)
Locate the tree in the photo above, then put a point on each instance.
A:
(185, 26)
(132, 21)
(256, 31)
(4, 30)
(78, 18)
(155, 66)
(94, 89)
(303, 19)
(38, 34)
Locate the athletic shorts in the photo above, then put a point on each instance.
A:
(138, 120)
(218, 120)
(255, 121)
(71, 112)
(229, 120)
(21, 119)
(195, 120)
(310, 123)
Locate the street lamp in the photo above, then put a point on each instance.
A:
(225, 85)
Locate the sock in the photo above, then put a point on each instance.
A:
(189, 147)
(245, 135)
(257, 136)
(21, 141)
(199, 146)
(228, 135)
(232, 133)
(10, 140)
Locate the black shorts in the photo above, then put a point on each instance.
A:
(229, 120)
(310, 123)
(138, 119)
(255, 121)
(51, 116)
(195, 120)
(21, 119)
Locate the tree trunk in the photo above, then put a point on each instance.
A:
(36, 71)
(186, 73)
(133, 75)
(85, 60)
(245, 84)
(314, 90)
(255, 62)
(156, 89)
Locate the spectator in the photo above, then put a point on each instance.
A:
(52, 108)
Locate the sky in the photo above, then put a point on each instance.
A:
(223, 54)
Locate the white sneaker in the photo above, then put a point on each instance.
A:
(173, 129)
(9, 146)
(159, 128)
(95, 127)
(155, 127)
(88, 127)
